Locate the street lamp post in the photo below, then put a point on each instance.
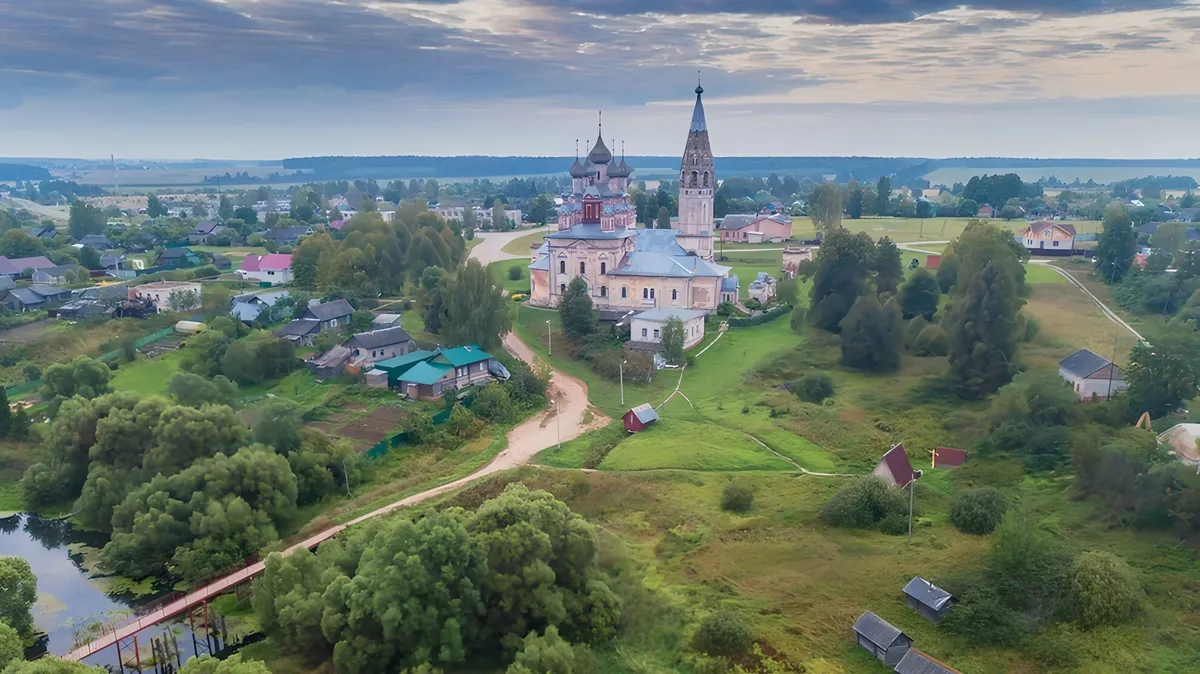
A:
(622, 371)
(549, 340)
(912, 488)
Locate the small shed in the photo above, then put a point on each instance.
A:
(928, 599)
(916, 662)
(377, 378)
(879, 638)
(190, 327)
(933, 262)
(894, 468)
(638, 418)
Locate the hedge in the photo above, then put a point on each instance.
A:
(764, 317)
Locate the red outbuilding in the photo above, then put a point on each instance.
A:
(638, 418)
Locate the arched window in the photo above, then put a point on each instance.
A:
(706, 178)
(603, 268)
(645, 293)
(581, 268)
(603, 291)
(624, 292)
(694, 178)
(652, 293)
(674, 294)
(562, 289)
(562, 266)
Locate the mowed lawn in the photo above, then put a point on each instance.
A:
(236, 254)
(673, 443)
(147, 376)
(521, 246)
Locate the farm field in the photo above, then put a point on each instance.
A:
(1101, 174)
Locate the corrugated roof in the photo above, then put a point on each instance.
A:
(298, 328)
(916, 662)
(19, 264)
(382, 337)
(330, 310)
(663, 313)
(425, 373)
(407, 360)
(592, 231)
(26, 296)
(464, 355)
(645, 413)
(1084, 363)
(877, 630)
(927, 593)
(542, 264)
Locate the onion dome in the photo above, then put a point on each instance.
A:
(577, 170)
(600, 153)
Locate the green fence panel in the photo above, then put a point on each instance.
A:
(22, 389)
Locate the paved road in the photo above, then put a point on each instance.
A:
(490, 250)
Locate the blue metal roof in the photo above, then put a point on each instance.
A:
(541, 264)
(645, 413)
(592, 231)
(729, 283)
(927, 593)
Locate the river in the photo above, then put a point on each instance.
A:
(71, 601)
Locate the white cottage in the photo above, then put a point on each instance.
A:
(1092, 375)
(647, 326)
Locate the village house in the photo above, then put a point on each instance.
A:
(248, 307)
(43, 232)
(328, 314)
(1045, 237)
(177, 257)
(638, 418)
(159, 293)
(301, 331)
(96, 241)
(985, 211)
(1092, 376)
(382, 321)
(203, 233)
(34, 297)
(646, 327)
(378, 345)
(931, 601)
(275, 268)
(287, 236)
(18, 266)
(61, 275)
(879, 638)
(755, 228)
(916, 662)
(425, 375)
(895, 469)
(330, 364)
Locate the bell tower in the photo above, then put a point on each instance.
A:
(697, 183)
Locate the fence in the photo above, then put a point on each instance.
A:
(764, 317)
(21, 389)
(380, 450)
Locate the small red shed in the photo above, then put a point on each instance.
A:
(638, 418)
(933, 262)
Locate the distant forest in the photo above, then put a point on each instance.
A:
(9, 172)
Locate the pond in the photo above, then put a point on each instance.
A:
(72, 602)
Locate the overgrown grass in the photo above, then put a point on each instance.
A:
(672, 443)
(147, 376)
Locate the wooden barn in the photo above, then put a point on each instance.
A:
(916, 662)
(928, 599)
(879, 638)
(638, 418)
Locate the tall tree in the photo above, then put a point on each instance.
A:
(664, 218)
(85, 219)
(154, 207)
(674, 336)
(872, 335)
(540, 209)
(825, 206)
(225, 209)
(888, 270)
(499, 220)
(854, 200)
(883, 196)
(843, 263)
(18, 591)
(919, 296)
(575, 311)
(1115, 248)
(476, 312)
(1164, 376)
(983, 331)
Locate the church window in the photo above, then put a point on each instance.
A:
(624, 292)
(674, 294)
(562, 289)
(694, 178)
(581, 268)
(645, 293)
(562, 266)
(603, 267)
(706, 178)
(603, 291)
(652, 293)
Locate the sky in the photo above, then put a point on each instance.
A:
(267, 79)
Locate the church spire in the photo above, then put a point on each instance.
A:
(698, 122)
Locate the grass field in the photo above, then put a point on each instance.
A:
(673, 443)
(500, 271)
(1101, 174)
(905, 230)
(147, 376)
(521, 246)
(235, 253)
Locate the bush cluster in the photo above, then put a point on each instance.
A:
(813, 388)
(724, 633)
(737, 498)
(866, 503)
(978, 511)
(765, 317)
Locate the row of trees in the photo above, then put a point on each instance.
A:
(497, 583)
(466, 306)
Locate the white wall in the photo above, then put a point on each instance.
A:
(693, 330)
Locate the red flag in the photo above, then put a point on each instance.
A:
(948, 457)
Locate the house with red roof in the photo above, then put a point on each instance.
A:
(275, 268)
(1046, 237)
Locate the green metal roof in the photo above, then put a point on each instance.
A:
(401, 363)
(425, 373)
(462, 355)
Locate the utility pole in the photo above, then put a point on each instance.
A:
(549, 340)
(912, 489)
(622, 372)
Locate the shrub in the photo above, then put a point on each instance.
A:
(737, 498)
(931, 342)
(798, 318)
(863, 504)
(914, 329)
(724, 633)
(978, 511)
(494, 404)
(894, 524)
(1103, 590)
(813, 388)
(514, 273)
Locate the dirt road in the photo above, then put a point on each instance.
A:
(493, 242)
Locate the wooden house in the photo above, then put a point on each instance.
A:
(879, 638)
(638, 418)
(931, 601)
(426, 375)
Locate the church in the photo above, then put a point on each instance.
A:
(628, 268)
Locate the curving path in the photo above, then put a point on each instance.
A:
(491, 250)
(561, 422)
